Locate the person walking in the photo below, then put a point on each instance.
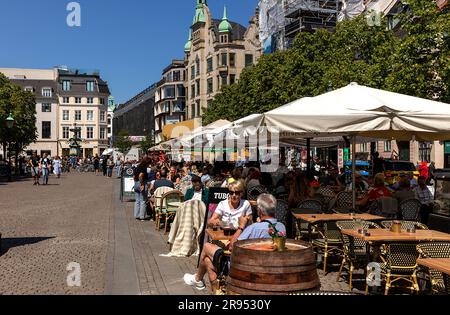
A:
(119, 167)
(45, 166)
(96, 164)
(105, 165)
(57, 165)
(34, 164)
(110, 162)
(141, 189)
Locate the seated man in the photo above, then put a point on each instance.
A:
(197, 192)
(211, 254)
(426, 198)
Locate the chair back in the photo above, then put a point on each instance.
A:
(405, 225)
(310, 204)
(386, 207)
(351, 243)
(281, 211)
(401, 256)
(159, 193)
(434, 250)
(344, 200)
(173, 196)
(254, 192)
(410, 209)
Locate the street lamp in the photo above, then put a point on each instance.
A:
(9, 126)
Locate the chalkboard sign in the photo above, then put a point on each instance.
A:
(217, 194)
(127, 184)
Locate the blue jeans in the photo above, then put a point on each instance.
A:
(45, 175)
(119, 171)
(140, 205)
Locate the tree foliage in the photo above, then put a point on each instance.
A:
(22, 106)
(146, 144)
(123, 142)
(414, 61)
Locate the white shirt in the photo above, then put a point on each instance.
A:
(197, 196)
(231, 217)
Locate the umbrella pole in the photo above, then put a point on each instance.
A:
(354, 171)
(308, 158)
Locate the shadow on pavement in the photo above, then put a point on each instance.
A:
(8, 243)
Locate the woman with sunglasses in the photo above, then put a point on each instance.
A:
(229, 211)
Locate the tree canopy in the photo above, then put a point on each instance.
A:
(123, 142)
(22, 105)
(412, 61)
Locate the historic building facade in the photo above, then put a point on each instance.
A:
(215, 55)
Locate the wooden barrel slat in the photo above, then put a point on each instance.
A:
(255, 272)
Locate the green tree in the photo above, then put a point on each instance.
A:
(123, 142)
(146, 144)
(22, 106)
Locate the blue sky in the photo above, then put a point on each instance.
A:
(130, 41)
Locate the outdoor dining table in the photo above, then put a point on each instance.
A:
(439, 264)
(218, 235)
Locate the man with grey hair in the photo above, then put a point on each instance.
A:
(212, 254)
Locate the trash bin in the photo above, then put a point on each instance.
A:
(127, 184)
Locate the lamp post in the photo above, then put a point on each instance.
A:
(9, 125)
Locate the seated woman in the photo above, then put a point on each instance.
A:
(379, 191)
(211, 254)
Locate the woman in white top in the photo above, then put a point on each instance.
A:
(229, 211)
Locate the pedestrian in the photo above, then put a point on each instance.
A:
(45, 168)
(119, 167)
(431, 170)
(110, 166)
(105, 165)
(141, 189)
(96, 164)
(57, 167)
(34, 165)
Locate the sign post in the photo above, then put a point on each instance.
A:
(127, 184)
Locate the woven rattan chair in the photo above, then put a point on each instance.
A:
(254, 192)
(386, 207)
(282, 211)
(328, 195)
(328, 243)
(435, 250)
(405, 225)
(354, 249)
(302, 226)
(344, 202)
(159, 205)
(169, 211)
(410, 210)
(401, 264)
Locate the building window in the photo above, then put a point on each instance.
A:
(109, 130)
(77, 133)
(66, 131)
(197, 83)
(223, 58)
(102, 101)
(248, 60)
(109, 121)
(198, 112)
(90, 115)
(90, 133)
(387, 146)
(46, 129)
(67, 85)
(210, 85)
(102, 133)
(181, 90)
(169, 77)
(66, 100)
(425, 151)
(224, 38)
(90, 85)
(176, 76)
(169, 91)
(102, 116)
(46, 108)
(78, 115)
(363, 147)
(29, 89)
(65, 115)
(193, 91)
(47, 92)
(232, 78)
(90, 100)
(224, 80)
(179, 106)
(197, 62)
(232, 59)
(192, 72)
(210, 64)
(77, 100)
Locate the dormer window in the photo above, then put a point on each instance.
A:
(47, 92)
(224, 39)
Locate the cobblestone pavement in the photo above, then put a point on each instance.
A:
(47, 227)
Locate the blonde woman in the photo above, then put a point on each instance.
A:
(229, 211)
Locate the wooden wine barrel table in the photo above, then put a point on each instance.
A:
(257, 268)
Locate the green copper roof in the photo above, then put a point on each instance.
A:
(225, 26)
(188, 46)
(199, 12)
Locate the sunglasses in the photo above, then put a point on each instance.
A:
(232, 193)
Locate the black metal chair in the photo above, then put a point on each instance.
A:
(410, 210)
(282, 211)
(254, 192)
(405, 225)
(328, 243)
(386, 207)
(302, 227)
(435, 250)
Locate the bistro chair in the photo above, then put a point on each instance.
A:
(301, 226)
(328, 243)
(254, 192)
(282, 211)
(213, 184)
(173, 200)
(401, 264)
(385, 207)
(343, 202)
(159, 205)
(405, 225)
(435, 250)
(410, 210)
(327, 195)
(354, 249)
